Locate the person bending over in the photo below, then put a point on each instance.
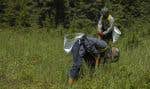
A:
(90, 50)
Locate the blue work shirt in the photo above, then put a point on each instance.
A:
(82, 47)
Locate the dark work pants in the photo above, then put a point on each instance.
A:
(79, 53)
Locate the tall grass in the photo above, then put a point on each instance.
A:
(36, 60)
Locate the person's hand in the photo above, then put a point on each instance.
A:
(101, 34)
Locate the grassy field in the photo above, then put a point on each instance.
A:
(36, 60)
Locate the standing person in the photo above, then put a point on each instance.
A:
(105, 25)
(90, 50)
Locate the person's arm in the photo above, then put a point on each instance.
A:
(99, 29)
(101, 47)
(97, 61)
(97, 55)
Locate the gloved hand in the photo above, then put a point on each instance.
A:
(100, 34)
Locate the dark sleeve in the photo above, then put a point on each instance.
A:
(98, 47)
(101, 44)
(91, 46)
(94, 50)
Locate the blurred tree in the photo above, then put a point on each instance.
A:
(2, 10)
(69, 13)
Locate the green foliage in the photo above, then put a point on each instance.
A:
(81, 23)
(52, 13)
(128, 11)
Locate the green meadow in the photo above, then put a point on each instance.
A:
(36, 60)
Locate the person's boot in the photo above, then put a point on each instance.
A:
(71, 81)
